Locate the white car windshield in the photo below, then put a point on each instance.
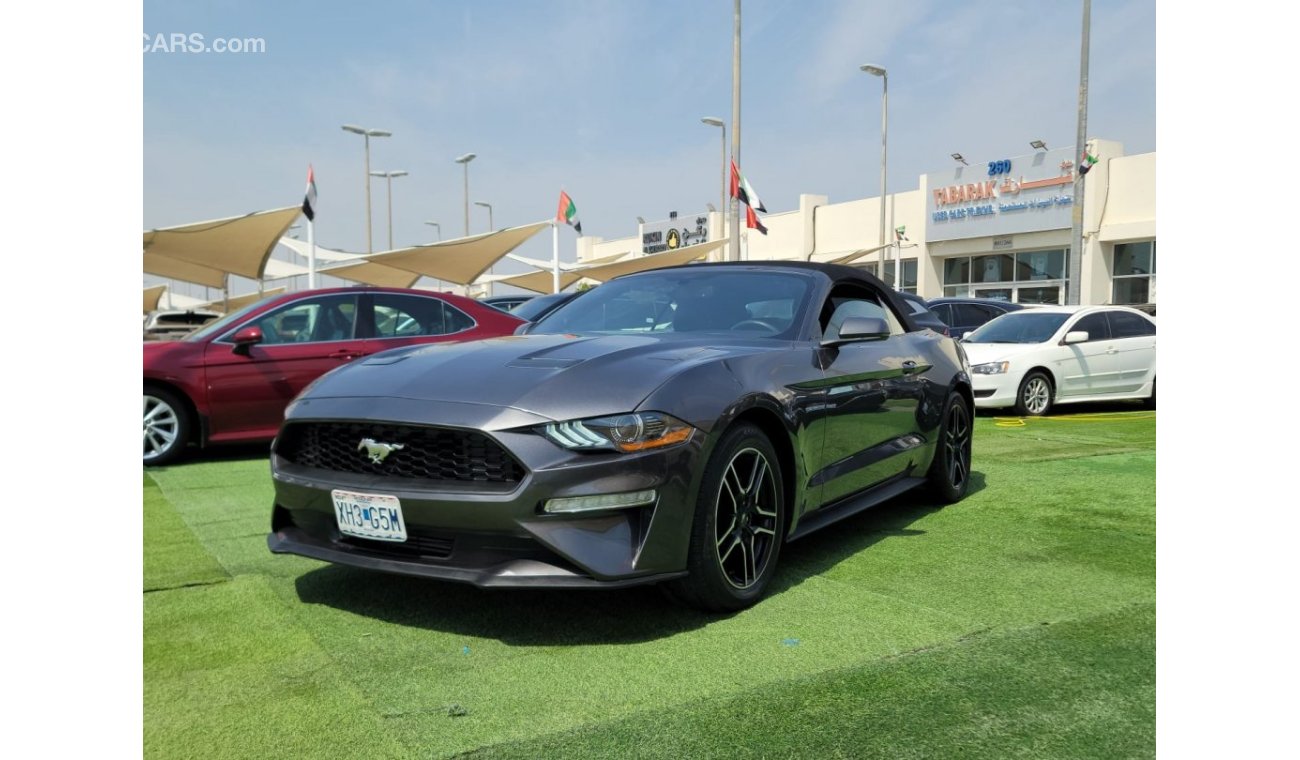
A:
(1019, 327)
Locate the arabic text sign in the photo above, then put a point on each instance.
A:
(1027, 194)
(671, 234)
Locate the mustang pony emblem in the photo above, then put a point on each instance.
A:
(378, 452)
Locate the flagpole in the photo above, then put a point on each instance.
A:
(555, 256)
(311, 254)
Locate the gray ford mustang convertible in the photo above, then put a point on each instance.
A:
(675, 426)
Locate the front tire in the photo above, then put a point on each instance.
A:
(166, 427)
(1034, 398)
(739, 525)
(949, 476)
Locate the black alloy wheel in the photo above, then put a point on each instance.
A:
(739, 525)
(949, 474)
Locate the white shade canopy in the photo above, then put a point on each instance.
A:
(460, 260)
(206, 252)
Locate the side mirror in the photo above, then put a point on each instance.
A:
(246, 338)
(1076, 336)
(860, 329)
(967, 334)
(524, 328)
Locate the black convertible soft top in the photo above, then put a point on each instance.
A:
(836, 273)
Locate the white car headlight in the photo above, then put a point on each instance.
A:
(991, 368)
(636, 431)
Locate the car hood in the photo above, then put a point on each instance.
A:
(553, 376)
(982, 353)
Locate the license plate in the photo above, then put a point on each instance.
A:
(368, 515)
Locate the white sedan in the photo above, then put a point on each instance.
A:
(1035, 358)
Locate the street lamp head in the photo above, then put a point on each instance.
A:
(389, 174)
(481, 203)
(465, 159)
(640, 220)
(379, 133)
(434, 224)
(873, 70)
(714, 121)
(398, 173)
(1038, 145)
(354, 129)
(958, 157)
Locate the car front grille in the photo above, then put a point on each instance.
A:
(428, 453)
(433, 547)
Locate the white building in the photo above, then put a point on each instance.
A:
(992, 229)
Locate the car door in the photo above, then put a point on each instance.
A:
(1087, 368)
(1134, 338)
(871, 396)
(403, 319)
(302, 340)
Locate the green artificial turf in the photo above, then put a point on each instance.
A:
(1017, 622)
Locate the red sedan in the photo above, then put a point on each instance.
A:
(231, 380)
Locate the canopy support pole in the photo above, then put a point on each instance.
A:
(555, 256)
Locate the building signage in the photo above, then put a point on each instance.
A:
(671, 234)
(1000, 198)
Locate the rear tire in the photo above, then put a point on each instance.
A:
(739, 525)
(1034, 399)
(166, 427)
(949, 476)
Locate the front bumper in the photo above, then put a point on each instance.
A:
(496, 535)
(994, 391)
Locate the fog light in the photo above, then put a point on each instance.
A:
(601, 501)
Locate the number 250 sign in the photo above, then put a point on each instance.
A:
(999, 167)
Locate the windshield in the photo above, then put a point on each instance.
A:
(225, 323)
(1019, 327)
(704, 299)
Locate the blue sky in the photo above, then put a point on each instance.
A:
(604, 98)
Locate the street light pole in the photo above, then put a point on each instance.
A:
(464, 161)
(492, 270)
(488, 206)
(714, 121)
(1073, 287)
(367, 134)
(879, 71)
(389, 176)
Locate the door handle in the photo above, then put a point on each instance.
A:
(1112, 350)
(345, 355)
(909, 367)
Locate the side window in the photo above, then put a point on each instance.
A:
(942, 310)
(1126, 325)
(1095, 325)
(970, 315)
(405, 316)
(848, 301)
(311, 320)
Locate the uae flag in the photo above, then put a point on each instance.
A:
(752, 221)
(568, 212)
(901, 232)
(309, 201)
(1086, 163)
(740, 188)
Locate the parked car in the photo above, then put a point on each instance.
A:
(1036, 358)
(231, 380)
(674, 426)
(505, 303)
(171, 324)
(922, 314)
(536, 308)
(963, 315)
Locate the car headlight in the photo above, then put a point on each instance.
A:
(991, 368)
(636, 431)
